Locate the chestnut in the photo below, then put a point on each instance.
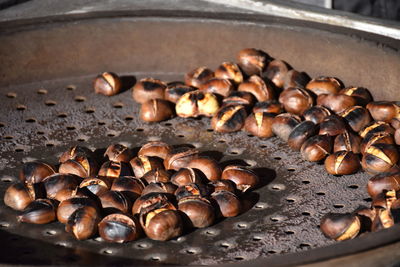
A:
(347, 141)
(185, 176)
(316, 148)
(81, 166)
(356, 117)
(230, 71)
(332, 125)
(155, 110)
(198, 76)
(18, 196)
(35, 172)
(68, 206)
(229, 119)
(260, 124)
(110, 169)
(316, 114)
(76, 152)
(179, 158)
(294, 78)
(155, 149)
(107, 83)
(397, 137)
(276, 72)
(115, 200)
(342, 163)
(207, 166)
(296, 100)
(40, 211)
(376, 138)
(383, 182)
(217, 86)
(324, 85)
(96, 185)
(151, 201)
(147, 89)
(128, 184)
(283, 124)
(143, 164)
(336, 102)
(119, 228)
(160, 187)
(244, 178)
(340, 226)
(262, 90)
(189, 190)
(197, 103)
(175, 91)
(376, 127)
(360, 94)
(300, 134)
(162, 224)
(228, 204)
(271, 106)
(156, 175)
(239, 98)
(61, 186)
(199, 210)
(118, 153)
(82, 223)
(223, 185)
(379, 158)
(252, 61)
(383, 110)
(383, 219)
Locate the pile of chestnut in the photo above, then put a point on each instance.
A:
(327, 122)
(163, 191)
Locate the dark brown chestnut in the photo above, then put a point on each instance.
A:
(115, 200)
(35, 172)
(360, 94)
(230, 71)
(97, 185)
(260, 124)
(114, 169)
(301, 133)
(199, 210)
(383, 110)
(18, 196)
(379, 158)
(342, 163)
(276, 72)
(40, 211)
(162, 224)
(217, 86)
(68, 206)
(107, 83)
(76, 152)
(197, 103)
(324, 85)
(239, 98)
(383, 182)
(228, 204)
(82, 223)
(61, 186)
(244, 178)
(332, 125)
(207, 166)
(192, 190)
(376, 138)
(118, 153)
(151, 201)
(271, 106)
(223, 185)
(376, 127)
(119, 228)
(336, 102)
(128, 184)
(81, 166)
(147, 89)
(253, 61)
(155, 110)
(383, 219)
(296, 100)
(185, 176)
(159, 187)
(340, 226)
(356, 117)
(316, 114)
(262, 90)
(156, 175)
(143, 164)
(155, 149)
(198, 76)
(347, 141)
(283, 124)
(175, 91)
(316, 148)
(179, 158)
(294, 78)
(229, 119)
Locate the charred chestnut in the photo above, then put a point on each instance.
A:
(332, 125)
(175, 91)
(185, 176)
(294, 78)
(244, 178)
(296, 100)
(260, 124)
(156, 110)
(356, 117)
(162, 224)
(230, 71)
(229, 119)
(240, 98)
(114, 169)
(96, 185)
(360, 94)
(83, 222)
(18, 196)
(379, 158)
(324, 85)
(68, 206)
(283, 124)
(376, 127)
(336, 102)
(383, 110)
(151, 201)
(262, 90)
(128, 184)
(198, 76)
(76, 152)
(207, 166)
(301, 133)
(81, 166)
(118, 153)
(347, 141)
(199, 210)
(316, 148)
(35, 172)
(155, 149)
(383, 182)
(192, 190)
(197, 103)
(340, 226)
(40, 211)
(143, 164)
(228, 204)
(271, 106)
(252, 61)
(61, 186)
(159, 187)
(119, 228)
(157, 175)
(147, 89)
(316, 114)
(179, 158)
(276, 72)
(217, 86)
(107, 83)
(223, 185)
(342, 163)
(115, 200)
(377, 138)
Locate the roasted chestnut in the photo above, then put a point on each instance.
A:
(260, 124)
(97, 185)
(68, 206)
(229, 119)
(119, 228)
(35, 172)
(162, 224)
(383, 182)
(197, 103)
(18, 196)
(397, 137)
(111, 169)
(336, 102)
(157, 175)
(252, 61)
(179, 158)
(262, 90)
(83, 222)
(151, 201)
(61, 186)
(316, 148)
(379, 158)
(294, 78)
(324, 85)
(81, 166)
(128, 184)
(217, 86)
(185, 176)
(271, 106)
(296, 100)
(360, 94)
(230, 71)
(276, 72)
(107, 83)
(244, 178)
(332, 125)
(147, 89)
(223, 185)
(342, 163)
(377, 138)
(301, 133)
(195, 190)
(383, 219)
(155, 149)
(347, 141)
(118, 153)
(199, 210)
(143, 164)
(76, 152)
(198, 76)
(316, 114)
(283, 124)
(155, 110)
(115, 200)
(175, 91)
(159, 187)
(357, 117)
(340, 226)
(239, 98)
(207, 166)
(228, 204)
(40, 211)
(383, 110)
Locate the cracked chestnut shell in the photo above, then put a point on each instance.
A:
(160, 187)
(296, 100)
(276, 72)
(222, 87)
(239, 98)
(119, 228)
(61, 186)
(199, 211)
(128, 184)
(35, 172)
(260, 124)
(271, 106)
(115, 200)
(383, 182)
(82, 223)
(118, 153)
(340, 226)
(347, 141)
(179, 158)
(157, 175)
(316, 114)
(197, 103)
(230, 71)
(283, 124)
(244, 178)
(18, 196)
(162, 224)
(316, 148)
(360, 94)
(147, 89)
(332, 125)
(155, 110)
(294, 78)
(206, 166)
(192, 190)
(383, 110)
(143, 164)
(336, 102)
(262, 90)
(379, 158)
(185, 176)
(301, 133)
(324, 85)
(96, 185)
(107, 83)
(229, 119)
(356, 117)
(376, 127)
(175, 91)
(342, 163)
(155, 149)
(40, 211)
(76, 152)
(151, 201)
(114, 169)
(227, 203)
(377, 138)
(81, 166)
(198, 76)
(68, 206)
(252, 61)
(223, 185)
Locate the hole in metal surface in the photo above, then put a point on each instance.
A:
(320, 193)
(49, 144)
(50, 103)
(239, 258)
(107, 251)
(291, 169)
(306, 213)
(129, 118)
(256, 238)
(225, 245)
(70, 87)
(289, 232)
(221, 141)
(181, 135)
(11, 95)
(19, 150)
(42, 91)
(271, 252)
(277, 158)
(101, 123)
(263, 146)
(8, 137)
(71, 128)
(50, 232)
(40, 132)
(6, 179)
(338, 206)
(21, 107)
(2, 124)
(210, 130)
(4, 224)
(168, 124)
(250, 135)
(260, 206)
(80, 99)
(118, 105)
(275, 219)
(139, 130)
(304, 246)
(368, 199)
(30, 120)
(142, 245)
(277, 187)
(81, 139)
(353, 186)
(155, 258)
(90, 110)
(62, 115)
(290, 200)
(306, 182)
(242, 225)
